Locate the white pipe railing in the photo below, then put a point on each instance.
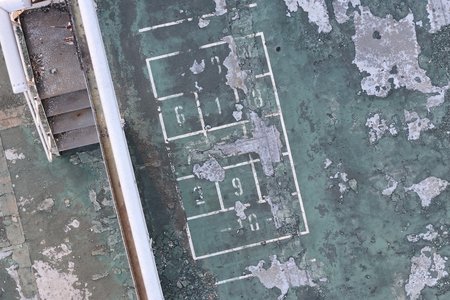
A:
(141, 238)
(11, 53)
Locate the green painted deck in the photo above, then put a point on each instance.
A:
(214, 86)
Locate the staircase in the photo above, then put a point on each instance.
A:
(59, 79)
(71, 120)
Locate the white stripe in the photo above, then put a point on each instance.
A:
(255, 177)
(263, 75)
(200, 114)
(164, 25)
(243, 247)
(277, 99)
(170, 97)
(163, 56)
(191, 244)
(212, 45)
(152, 80)
(219, 195)
(185, 177)
(234, 279)
(211, 129)
(163, 127)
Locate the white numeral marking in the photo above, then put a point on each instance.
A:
(180, 116)
(257, 98)
(252, 220)
(238, 186)
(199, 191)
(216, 61)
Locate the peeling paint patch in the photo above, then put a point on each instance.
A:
(340, 9)
(56, 254)
(392, 186)
(4, 254)
(237, 114)
(240, 208)
(236, 78)
(202, 23)
(265, 141)
(416, 125)
(284, 275)
(56, 284)
(12, 271)
(74, 224)
(388, 50)
(426, 270)
(13, 156)
(327, 163)
(316, 9)
(378, 127)
(211, 170)
(197, 67)
(438, 14)
(436, 100)
(46, 205)
(430, 235)
(428, 189)
(221, 7)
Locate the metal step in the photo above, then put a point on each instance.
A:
(71, 121)
(66, 103)
(76, 138)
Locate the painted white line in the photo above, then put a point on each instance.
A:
(200, 114)
(190, 176)
(163, 56)
(170, 97)
(208, 16)
(244, 163)
(152, 80)
(275, 114)
(219, 194)
(208, 130)
(234, 279)
(163, 126)
(212, 213)
(185, 177)
(243, 247)
(283, 125)
(164, 25)
(226, 229)
(255, 177)
(173, 23)
(263, 75)
(191, 244)
(212, 44)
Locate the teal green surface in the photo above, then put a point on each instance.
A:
(359, 238)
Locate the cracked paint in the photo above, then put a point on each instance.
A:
(416, 125)
(388, 50)
(426, 270)
(428, 189)
(284, 275)
(316, 10)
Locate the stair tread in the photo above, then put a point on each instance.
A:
(76, 138)
(66, 103)
(71, 120)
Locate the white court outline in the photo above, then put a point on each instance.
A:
(190, 19)
(288, 153)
